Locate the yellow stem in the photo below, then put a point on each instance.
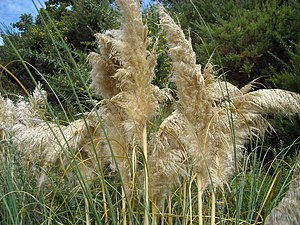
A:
(213, 207)
(184, 201)
(87, 212)
(162, 215)
(170, 209)
(145, 151)
(16, 79)
(124, 207)
(200, 193)
(190, 200)
(104, 205)
(154, 216)
(265, 200)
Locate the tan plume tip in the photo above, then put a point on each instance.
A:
(134, 76)
(187, 73)
(102, 74)
(124, 69)
(270, 101)
(50, 144)
(33, 111)
(8, 115)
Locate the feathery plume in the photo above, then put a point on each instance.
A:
(134, 78)
(197, 105)
(168, 160)
(187, 74)
(7, 113)
(132, 101)
(269, 101)
(210, 112)
(104, 67)
(122, 73)
(49, 144)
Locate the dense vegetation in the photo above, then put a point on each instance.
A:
(247, 40)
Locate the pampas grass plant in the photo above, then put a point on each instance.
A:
(198, 147)
(46, 142)
(214, 119)
(123, 74)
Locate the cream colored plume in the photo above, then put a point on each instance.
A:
(200, 96)
(55, 146)
(214, 120)
(104, 67)
(137, 97)
(49, 144)
(269, 101)
(32, 111)
(29, 112)
(187, 73)
(122, 73)
(7, 116)
(124, 69)
(168, 160)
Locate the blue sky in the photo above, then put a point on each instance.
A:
(10, 10)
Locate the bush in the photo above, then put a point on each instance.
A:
(245, 35)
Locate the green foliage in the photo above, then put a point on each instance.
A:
(163, 68)
(64, 201)
(55, 47)
(17, 205)
(26, 21)
(287, 128)
(289, 77)
(245, 35)
(89, 17)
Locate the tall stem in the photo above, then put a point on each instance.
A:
(154, 212)
(184, 202)
(124, 207)
(170, 209)
(104, 205)
(190, 201)
(213, 207)
(163, 215)
(87, 212)
(200, 193)
(145, 151)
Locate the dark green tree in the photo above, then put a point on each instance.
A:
(26, 21)
(245, 36)
(61, 34)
